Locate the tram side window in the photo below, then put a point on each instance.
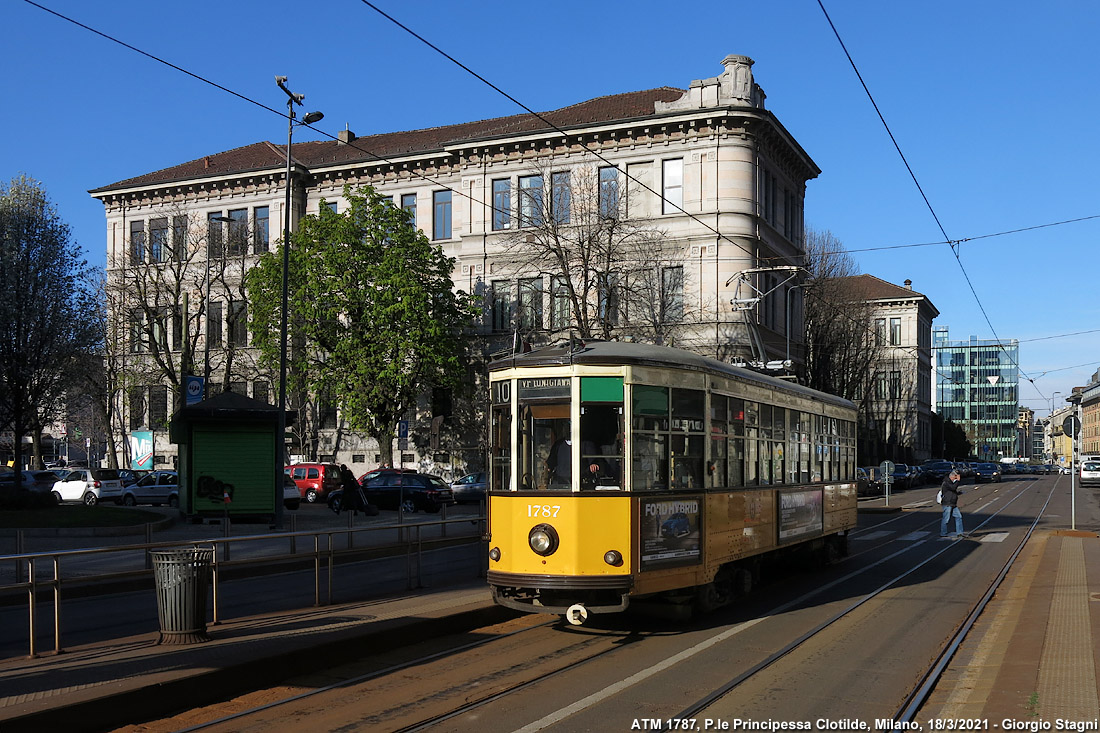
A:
(649, 408)
(752, 447)
(719, 432)
(688, 406)
(601, 446)
(737, 442)
(816, 471)
(502, 447)
(805, 446)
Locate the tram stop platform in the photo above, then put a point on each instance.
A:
(1032, 655)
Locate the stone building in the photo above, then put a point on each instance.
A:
(707, 178)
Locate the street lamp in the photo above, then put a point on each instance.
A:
(280, 434)
(788, 313)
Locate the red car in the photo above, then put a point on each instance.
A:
(315, 481)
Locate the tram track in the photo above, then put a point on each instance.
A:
(470, 705)
(929, 677)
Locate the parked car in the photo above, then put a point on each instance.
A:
(315, 481)
(156, 488)
(131, 476)
(1090, 473)
(936, 472)
(900, 478)
(37, 481)
(470, 488)
(89, 485)
(987, 472)
(292, 496)
(409, 491)
(869, 481)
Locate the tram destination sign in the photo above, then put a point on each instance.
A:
(544, 388)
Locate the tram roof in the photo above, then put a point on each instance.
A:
(621, 352)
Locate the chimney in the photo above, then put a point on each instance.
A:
(908, 284)
(345, 136)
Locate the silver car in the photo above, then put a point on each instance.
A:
(470, 488)
(156, 488)
(89, 485)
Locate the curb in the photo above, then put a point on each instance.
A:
(126, 531)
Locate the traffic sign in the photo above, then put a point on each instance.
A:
(887, 469)
(194, 387)
(1071, 426)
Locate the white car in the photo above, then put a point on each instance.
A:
(89, 485)
(1090, 473)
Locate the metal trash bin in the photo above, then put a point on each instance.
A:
(181, 578)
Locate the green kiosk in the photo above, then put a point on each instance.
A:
(227, 449)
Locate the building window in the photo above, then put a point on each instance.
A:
(261, 235)
(214, 324)
(326, 411)
(560, 197)
(137, 331)
(530, 303)
(672, 185)
(177, 329)
(895, 385)
(261, 392)
(158, 407)
(331, 206)
(179, 238)
(441, 207)
(158, 240)
(238, 324)
(767, 197)
(408, 203)
(160, 328)
(559, 303)
(895, 332)
(609, 192)
(137, 407)
(237, 241)
(530, 201)
(502, 305)
(608, 294)
(502, 204)
(240, 388)
(672, 294)
(214, 248)
(880, 331)
(137, 242)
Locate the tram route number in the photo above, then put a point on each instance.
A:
(543, 510)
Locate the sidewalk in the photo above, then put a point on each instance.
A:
(1033, 655)
(115, 682)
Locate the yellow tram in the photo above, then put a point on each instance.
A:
(624, 471)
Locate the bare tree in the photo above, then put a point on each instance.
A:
(842, 356)
(608, 275)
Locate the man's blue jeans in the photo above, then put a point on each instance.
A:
(948, 512)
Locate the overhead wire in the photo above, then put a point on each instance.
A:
(377, 157)
(954, 242)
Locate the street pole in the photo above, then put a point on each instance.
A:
(280, 429)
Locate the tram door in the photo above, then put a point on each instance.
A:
(546, 446)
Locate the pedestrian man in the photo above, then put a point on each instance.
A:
(949, 497)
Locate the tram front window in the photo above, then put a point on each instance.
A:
(546, 448)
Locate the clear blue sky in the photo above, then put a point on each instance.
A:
(993, 102)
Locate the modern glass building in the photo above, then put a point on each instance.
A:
(977, 387)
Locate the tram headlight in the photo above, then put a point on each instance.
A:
(494, 554)
(543, 539)
(614, 558)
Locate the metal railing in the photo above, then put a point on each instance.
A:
(411, 541)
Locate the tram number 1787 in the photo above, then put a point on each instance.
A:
(543, 510)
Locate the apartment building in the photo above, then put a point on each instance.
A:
(707, 175)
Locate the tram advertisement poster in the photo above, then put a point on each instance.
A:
(800, 513)
(670, 531)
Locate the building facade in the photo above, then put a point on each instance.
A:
(899, 419)
(977, 387)
(704, 185)
(1090, 417)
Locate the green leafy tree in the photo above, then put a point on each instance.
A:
(956, 444)
(374, 320)
(48, 309)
